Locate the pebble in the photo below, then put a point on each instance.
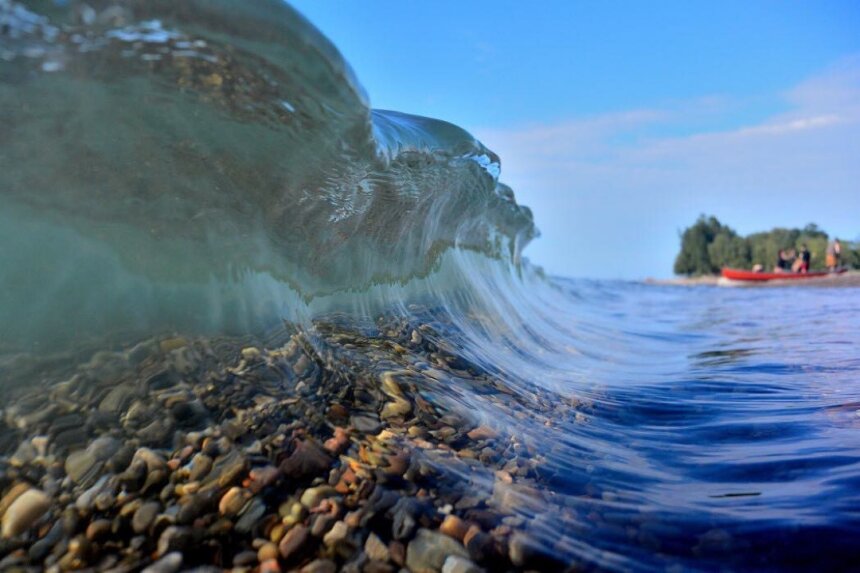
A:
(145, 516)
(455, 527)
(201, 465)
(314, 495)
(173, 538)
(395, 408)
(247, 558)
(293, 542)
(429, 550)
(270, 566)
(98, 529)
(170, 563)
(376, 549)
(455, 564)
(482, 433)
(233, 501)
(267, 551)
(40, 549)
(251, 516)
(307, 461)
(24, 512)
(319, 566)
(365, 424)
(227, 469)
(82, 467)
(14, 493)
(286, 473)
(337, 533)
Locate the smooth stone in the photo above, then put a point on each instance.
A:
(98, 529)
(251, 515)
(40, 549)
(390, 385)
(320, 524)
(153, 460)
(395, 408)
(365, 424)
(120, 461)
(429, 550)
(145, 516)
(375, 549)
(455, 564)
(117, 400)
(86, 501)
(193, 506)
(170, 563)
(227, 469)
(482, 433)
(270, 566)
(24, 512)
(156, 432)
(267, 551)
(319, 566)
(25, 454)
(104, 500)
(263, 477)
(246, 559)
(455, 527)
(172, 539)
(293, 542)
(337, 533)
(201, 465)
(13, 494)
(82, 467)
(306, 462)
(233, 501)
(405, 517)
(312, 496)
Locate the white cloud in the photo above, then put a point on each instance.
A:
(605, 179)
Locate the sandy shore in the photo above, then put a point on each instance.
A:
(848, 279)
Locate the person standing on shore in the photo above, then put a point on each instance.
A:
(834, 254)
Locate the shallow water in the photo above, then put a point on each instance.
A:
(725, 425)
(180, 182)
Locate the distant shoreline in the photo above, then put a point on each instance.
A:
(847, 279)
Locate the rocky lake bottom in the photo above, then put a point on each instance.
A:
(202, 454)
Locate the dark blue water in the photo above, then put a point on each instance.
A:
(724, 430)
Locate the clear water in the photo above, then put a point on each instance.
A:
(214, 168)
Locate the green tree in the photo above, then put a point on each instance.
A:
(708, 245)
(695, 256)
(729, 250)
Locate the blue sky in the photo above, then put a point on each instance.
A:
(619, 122)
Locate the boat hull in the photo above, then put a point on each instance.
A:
(744, 275)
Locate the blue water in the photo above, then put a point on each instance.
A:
(215, 169)
(725, 428)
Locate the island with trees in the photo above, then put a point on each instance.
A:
(708, 245)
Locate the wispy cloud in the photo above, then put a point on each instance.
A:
(645, 173)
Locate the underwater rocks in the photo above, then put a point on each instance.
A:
(22, 513)
(182, 454)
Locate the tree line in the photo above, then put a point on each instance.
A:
(708, 246)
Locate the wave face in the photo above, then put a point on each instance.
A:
(197, 166)
(213, 170)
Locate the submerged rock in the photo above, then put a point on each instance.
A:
(429, 550)
(24, 512)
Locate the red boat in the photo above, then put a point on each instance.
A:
(743, 275)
